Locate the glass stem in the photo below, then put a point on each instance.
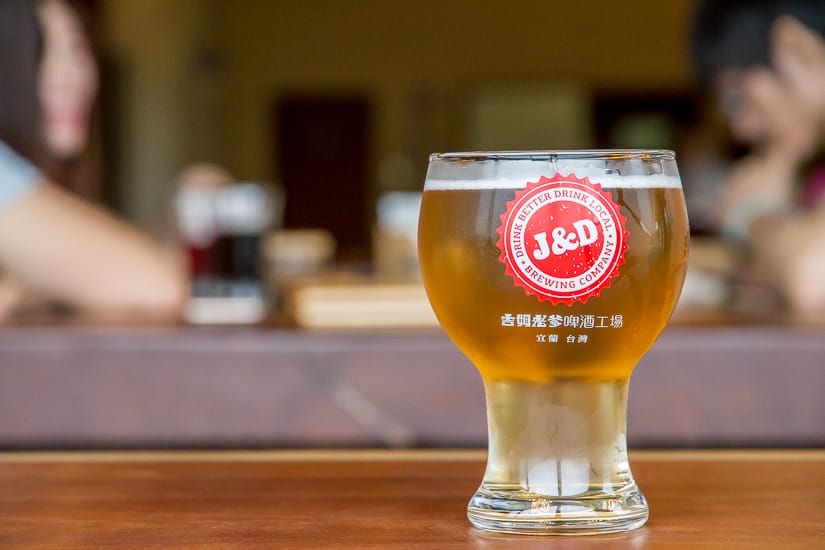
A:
(561, 439)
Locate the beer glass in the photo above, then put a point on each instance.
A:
(554, 272)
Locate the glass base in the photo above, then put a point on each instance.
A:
(522, 512)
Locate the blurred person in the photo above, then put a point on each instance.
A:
(54, 245)
(765, 61)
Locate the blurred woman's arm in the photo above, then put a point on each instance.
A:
(69, 251)
(791, 249)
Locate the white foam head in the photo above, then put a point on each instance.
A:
(609, 182)
(514, 170)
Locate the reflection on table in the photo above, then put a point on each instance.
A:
(381, 499)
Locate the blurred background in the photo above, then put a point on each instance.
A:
(347, 99)
(365, 90)
(282, 147)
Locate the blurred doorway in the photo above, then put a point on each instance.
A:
(322, 152)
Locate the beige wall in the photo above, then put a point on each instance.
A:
(168, 109)
(390, 51)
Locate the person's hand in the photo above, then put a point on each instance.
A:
(781, 109)
(798, 55)
(791, 95)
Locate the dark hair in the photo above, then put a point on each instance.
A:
(20, 50)
(730, 34)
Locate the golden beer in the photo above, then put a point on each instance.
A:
(555, 362)
(470, 292)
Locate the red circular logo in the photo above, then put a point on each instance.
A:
(562, 239)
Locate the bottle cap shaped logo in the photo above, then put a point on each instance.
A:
(562, 239)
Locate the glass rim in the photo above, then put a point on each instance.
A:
(558, 154)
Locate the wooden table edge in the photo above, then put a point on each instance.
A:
(385, 455)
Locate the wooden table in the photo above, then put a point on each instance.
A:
(381, 499)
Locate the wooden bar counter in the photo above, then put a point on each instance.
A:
(382, 499)
(131, 387)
